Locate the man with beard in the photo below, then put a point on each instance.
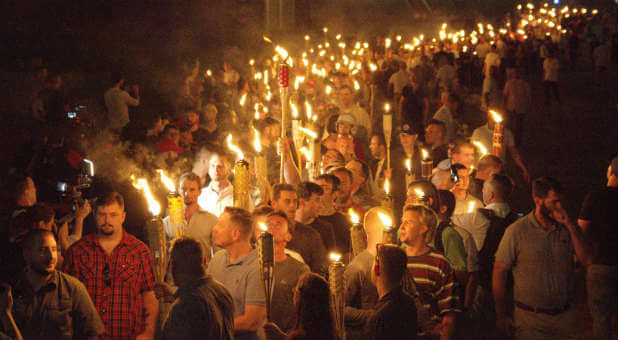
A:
(117, 270)
(198, 223)
(309, 200)
(48, 303)
(539, 250)
(341, 224)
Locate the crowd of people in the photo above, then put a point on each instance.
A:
(77, 257)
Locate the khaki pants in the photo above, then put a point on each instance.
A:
(539, 326)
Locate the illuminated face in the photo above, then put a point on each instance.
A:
(344, 187)
(345, 97)
(464, 179)
(344, 128)
(375, 147)
(311, 206)
(465, 156)
(218, 169)
(286, 203)
(42, 257)
(407, 140)
(433, 135)
(327, 196)
(223, 231)
(190, 192)
(411, 229)
(278, 226)
(329, 157)
(110, 218)
(357, 171)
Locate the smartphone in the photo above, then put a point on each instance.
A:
(72, 115)
(61, 186)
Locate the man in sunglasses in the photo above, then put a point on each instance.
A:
(117, 270)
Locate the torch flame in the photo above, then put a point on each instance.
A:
(386, 219)
(373, 67)
(409, 164)
(262, 226)
(309, 132)
(335, 257)
(387, 107)
(169, 184)
(471, 207)
(306, 153)
(481, 147)
(328, 90)
(356, 85)
(497, 118)
(419, 193)
(234, 148)
(307, 37)
(257, 144)
(243, 98)
(153, 206)
(387, 43)
(267, 39)
(425, 154)
(282, 52)
(294, 110)
(387, 186)
(308, 110)
(353, 216)
(209, 73)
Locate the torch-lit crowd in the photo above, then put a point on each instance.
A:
(332, 191)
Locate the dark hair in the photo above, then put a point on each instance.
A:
(261, 210)
(278, 188)
(169, 127)
(262, 124)
(117, 77)
(447, 199)
(381, 139)
(186, 247)
(339, 155)
(306, 189)
(502, 185)
(18, 185)
(111, 198)
(438, 123)
(543, 185)
(392, 261)
(281, 214)
(342, 169)
(190, 176)
(33, 235)
(429, 190)
(488, 161)
(39, 212)
(314, 315)
(364, 167)
(457, 148)
(241, 219)
(332, 179)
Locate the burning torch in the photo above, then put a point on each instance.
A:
(336, 284)
(498, 136)
(426, 165)
(357, 233)
(312, 164)
(409, 174)
(242, 178)
(266, 253)
(389, 234)
(155, 230)
(387, 126)
(387, 202)
(175, 205)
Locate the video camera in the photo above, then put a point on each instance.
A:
(82, 183)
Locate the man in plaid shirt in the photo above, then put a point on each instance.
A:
(117, 270)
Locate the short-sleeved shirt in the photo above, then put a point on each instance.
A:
(199, 226)
(241, 278)
(462, 206)
(117, 102)
(115, 282)
(215, 203)
(445, 115)
(599, 208)
(435, 282)
(541, 260)
(60, 309)
(476, 223)
(203, 309)
(485, 135)
(361, 295)
(394, 317)
(287, 273)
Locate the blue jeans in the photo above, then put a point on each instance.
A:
(601, 283)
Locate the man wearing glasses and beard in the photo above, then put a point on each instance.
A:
(117, 270)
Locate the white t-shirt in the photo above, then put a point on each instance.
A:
(399, 80)
(214, 202)
(444, 115)
(485, 135)
(491, 59)
(117, 102)
(551, 66)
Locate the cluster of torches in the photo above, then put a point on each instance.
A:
(314, 61)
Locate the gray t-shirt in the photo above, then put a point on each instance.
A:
(360, 294)
(241, 278)
(541, 260)
(287, 273)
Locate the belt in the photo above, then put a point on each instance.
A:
(549, 311)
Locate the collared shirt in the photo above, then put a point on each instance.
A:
(394, 317)
(435, 282)
(462, 206)
(199, 226)
(541, 260)
(60, 309)
(214, 202)
(116, 282)
(202, 309)
(308, 243)
(485, 135)
(117, 102)
(477, 224)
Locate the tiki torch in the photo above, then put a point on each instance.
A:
(261, 169)
(387, 126)
(357, 233)
(242, 178)
(387, 202)
(284, 82)
(266, 253)
(336, 284)
(426, 165)
(155, 230)
(297, 124)
(498, 136)
(175, 205)
(409, 175)
(389, 234)
(312, 167)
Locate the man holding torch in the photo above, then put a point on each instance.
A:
(236, 267)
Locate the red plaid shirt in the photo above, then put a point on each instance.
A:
(115, 282)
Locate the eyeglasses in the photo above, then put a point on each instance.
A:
(106, 277)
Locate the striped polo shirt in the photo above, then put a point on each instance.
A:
(435, 282)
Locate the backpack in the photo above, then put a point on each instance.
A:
(487, 254)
